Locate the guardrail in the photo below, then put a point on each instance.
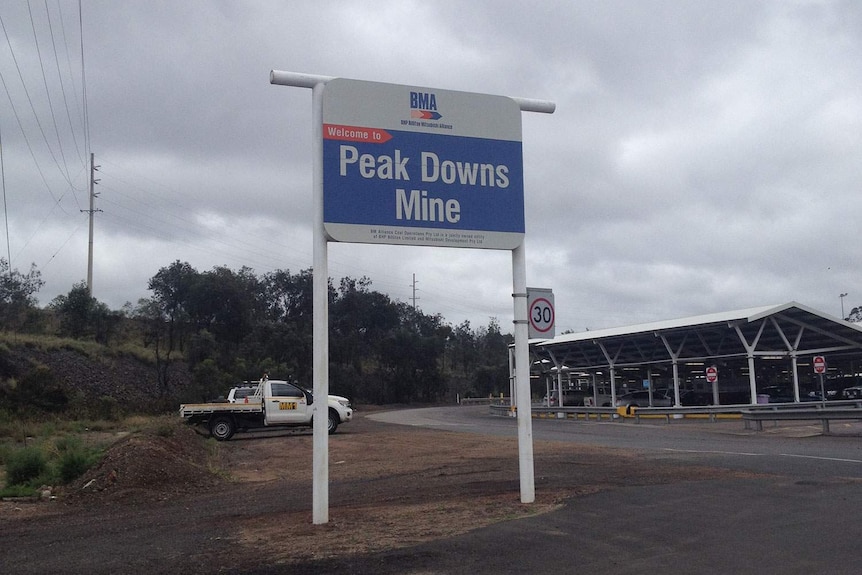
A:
(824, 415)
(483, 401)
(637, 413)
(586, 413)
(711, 412)
(714, 412)
(574, 412)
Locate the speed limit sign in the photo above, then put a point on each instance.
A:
(540, 312)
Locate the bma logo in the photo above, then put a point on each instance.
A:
(424, 106)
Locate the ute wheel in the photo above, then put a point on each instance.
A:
(332, 425)
(222, 428)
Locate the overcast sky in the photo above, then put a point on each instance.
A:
(703, 156)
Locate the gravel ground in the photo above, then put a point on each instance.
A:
(180, 502)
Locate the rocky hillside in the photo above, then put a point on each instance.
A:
(80, 374)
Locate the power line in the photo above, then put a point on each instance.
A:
(5, 208)
(84, 82)
(60, 77)
(64, 169)
(18, 117)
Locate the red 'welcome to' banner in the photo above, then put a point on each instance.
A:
(355, 134)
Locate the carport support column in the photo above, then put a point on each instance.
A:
(795, 370)
(750, 348)
(559, 383)
(674, 356)
(522, 374)
(611, 361)
(752, 378)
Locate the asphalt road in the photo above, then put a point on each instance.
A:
(786, 449)
(799, 517)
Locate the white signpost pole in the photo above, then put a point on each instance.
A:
(320, 330)
(320, 302)
(712, 378)
(522, 375)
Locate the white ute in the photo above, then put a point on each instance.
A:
(275, 403)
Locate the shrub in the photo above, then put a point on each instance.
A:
(68, 443)
(25, 465)
(108, 408)
(73, 464)
(5, 451)
(164, 428)
(74, 459)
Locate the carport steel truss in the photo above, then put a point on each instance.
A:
(791, 330)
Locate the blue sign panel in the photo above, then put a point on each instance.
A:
(415, 166)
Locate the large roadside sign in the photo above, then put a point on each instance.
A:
(420, 166)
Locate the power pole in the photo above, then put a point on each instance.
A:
(414, 298)
(91, 211)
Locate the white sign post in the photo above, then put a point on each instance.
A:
(819, 363)
(345, 142)
(712, 378)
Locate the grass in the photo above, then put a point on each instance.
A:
(91, 349)
(214, 460)
(57, 451)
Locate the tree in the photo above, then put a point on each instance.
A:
(225, 303)
(17, 299)
(166, 316)
(288, 303)
(412, 359)
(855, 315)
(171, 287)
(82, 315)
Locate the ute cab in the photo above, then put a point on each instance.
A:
(288, 403)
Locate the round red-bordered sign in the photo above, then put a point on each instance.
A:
(819, 364)
(541, 314)
(712, 374)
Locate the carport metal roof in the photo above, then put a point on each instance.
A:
(788, 330)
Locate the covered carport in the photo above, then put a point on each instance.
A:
(751, 352)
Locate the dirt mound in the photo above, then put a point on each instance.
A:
(155, 465)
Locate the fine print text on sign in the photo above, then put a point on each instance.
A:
(417, 166)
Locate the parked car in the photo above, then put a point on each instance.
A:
(692, 398)
(852, 392)
(660, 398)
(812, 396)
(571, 397)
(778, 394)
(600, 399)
